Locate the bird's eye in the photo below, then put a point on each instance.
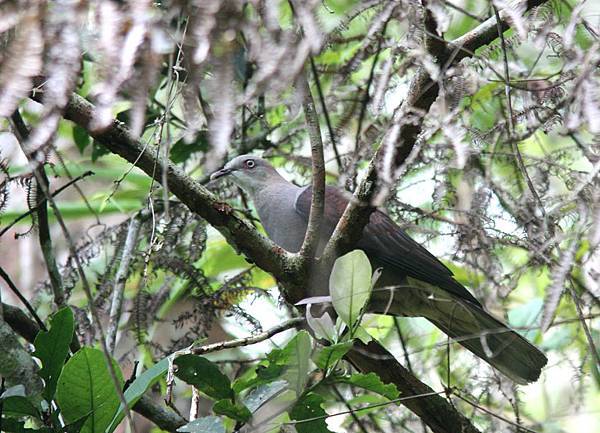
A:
(250, 163)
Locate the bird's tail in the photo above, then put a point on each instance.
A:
(494, 342)
(472, 327)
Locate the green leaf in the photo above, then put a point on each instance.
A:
(329, 355)
(236, 411)
(12, 425)
(204, 375)
(350, 285)
(309, 407)
(208, 424)
(52, 348)
(295, 357)
(370, 382)
(81, 138)
(181, 151)
(263, 393)
(138, 387)
(15, 402)
(98, 150)
(290, 364)
(85, 387)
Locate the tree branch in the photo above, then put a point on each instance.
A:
(317, 202)
(42, 187)
(116, 305)
(403, 134)
(437, 412)
(238, 232)
(253, 339)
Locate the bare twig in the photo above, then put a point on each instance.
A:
(511, 116)
(495, 415)
(246, 341)
(315, 74)
(43, 202)
(586, 329)
(120, 279)
(42, 186)
(369, 406)
(22, 298)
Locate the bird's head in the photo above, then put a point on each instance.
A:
(249, 172)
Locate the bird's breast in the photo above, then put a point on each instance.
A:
(277, 213)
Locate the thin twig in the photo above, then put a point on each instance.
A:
(246, 341)
(366, 96)
(42, 186)
(511, 117)
(586, 329)
(315, 74)
(22, 298)
(116, 306)
(369, 406)
(352, 411)
(495, 415)
(43, 201)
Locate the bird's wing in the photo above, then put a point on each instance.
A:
(386, 243)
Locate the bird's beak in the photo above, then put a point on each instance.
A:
(220, 173)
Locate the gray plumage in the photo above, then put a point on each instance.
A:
(421, 285)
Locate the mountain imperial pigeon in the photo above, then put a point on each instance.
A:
(413, 282)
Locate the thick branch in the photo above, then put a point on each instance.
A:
(436, 411)
(317, 203)
(239, 233)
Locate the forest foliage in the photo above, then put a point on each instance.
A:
(131, 302)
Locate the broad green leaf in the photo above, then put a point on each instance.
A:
(52, 348)
(263, 393)
(208, 424)
(309, 406)
(85, 387)
(350, 285)
(81, 138)
(138, 387)
(323, 326)
(297, 356)
(370, 382)
(15, 403)
(204, 375)
(290, 364)
(236, 411)
(181, 151)
(12, 425)
(329, 355)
